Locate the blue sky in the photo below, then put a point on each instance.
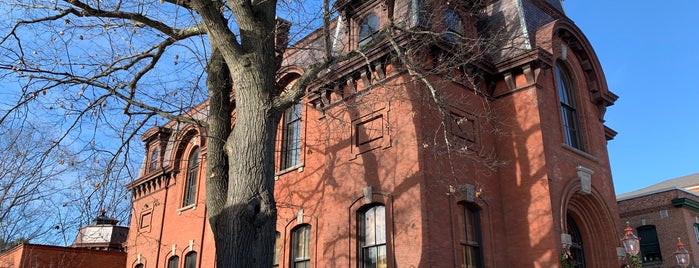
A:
(650, 54)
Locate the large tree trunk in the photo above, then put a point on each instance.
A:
(244, 220)
(241, 206)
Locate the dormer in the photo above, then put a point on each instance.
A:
(366, 19)
(155, 140)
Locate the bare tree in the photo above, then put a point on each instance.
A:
(29, 170)
(105, 70)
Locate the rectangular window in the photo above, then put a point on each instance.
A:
(650, 247)
(696, 231)
(291, 137)
(470, 237)
(301, 244)
(372, 238)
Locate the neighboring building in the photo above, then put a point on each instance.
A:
(661, 213)
(99, 245)
(365, 178)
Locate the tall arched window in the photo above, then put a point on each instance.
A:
(190, 187)
(569, 109)
(301, 247)
(368, 29)
(153, 161)
(372, 237)
(453, 24)
(173, 262)
(576, 247)
(291, 137)
(190, 260)
(140, 265)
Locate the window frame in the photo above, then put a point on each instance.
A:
(648, 236)
(277, 249)
(191, 177)
(153, 158)
(379, 243)
(190, 259)
(173, 259)
(471, 235)
(368, 28)
(303, 260)
(453, 24)
(291, 139)
(571, 122)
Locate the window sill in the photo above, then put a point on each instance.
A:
(185, 208)
(298, 168)
(579, 152)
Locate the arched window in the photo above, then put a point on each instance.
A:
(576, 247)
(453, 24)
(372, 237)
(368, 29)
(301, 247)
(569, 109)
(650, 247)
(153, 162)
(140, 265)
(190, 187)
(470, 240)
(173, 262)
(190, 260)
(291, 137)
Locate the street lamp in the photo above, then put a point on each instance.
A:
(631, 245)
(682, 255)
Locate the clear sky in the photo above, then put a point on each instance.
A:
(650, 54)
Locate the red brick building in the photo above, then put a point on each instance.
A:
(509, 170)
(99, 245)
(661, 213)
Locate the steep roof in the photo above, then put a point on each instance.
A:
(689, 182)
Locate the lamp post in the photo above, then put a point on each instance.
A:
(681, 254)
(631, 245)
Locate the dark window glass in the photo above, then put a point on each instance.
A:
(301, 247)
(153, 159)
(569, 111)
(368, 29)
(696, 231)
(173, 262)
(470, 241)
(650, 248)
(452, 21)
(291, 140)
(140, 265)
(372, 237)
(576, 248)
(190, 189)
(190, 260)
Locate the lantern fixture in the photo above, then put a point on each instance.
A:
(681, 254)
